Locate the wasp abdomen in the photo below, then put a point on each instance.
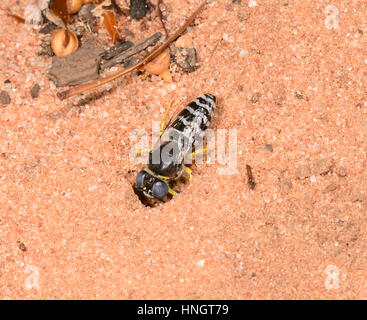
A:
(195, 118)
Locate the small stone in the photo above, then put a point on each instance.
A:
(21, 246)
(4, 98)
(35, 91)
(252, 4)
(243, 52)
(303, 172)
(138, 9)
(301, 95)
(201, 263)
(184, 54)
(255, 98)
(268, 147)
(341, 172)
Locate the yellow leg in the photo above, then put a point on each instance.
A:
(172, 192)
(163, 122)
(189, 172)
(140, 151)
(200, 151)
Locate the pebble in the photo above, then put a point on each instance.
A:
(35, 91)
(252, 3)
(21, 246)
(255, 97)
(301, 95)
(243, 52)
(268, 147)
(201, 263)
(184, 55)
(4, 98)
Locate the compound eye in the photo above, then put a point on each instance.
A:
(140, 179)
(159, 189)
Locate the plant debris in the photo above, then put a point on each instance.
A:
(4, 98)
(45, 47)
(110, 22)
(85, 14)
(160, 17)
(78, 67)
(54, 11)
(160, 66)
(116, 7)
(64, 42)
(138, 8)
(125, 54)
(48, 28)
(118, 48)
(21, 246)
(101, 81)
(16, 17)
(250, 178)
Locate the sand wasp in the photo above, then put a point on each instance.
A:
(166, 160)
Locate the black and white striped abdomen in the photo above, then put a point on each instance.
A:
(195, 118)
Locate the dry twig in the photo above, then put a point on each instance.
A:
(121, 57)
(159, 11)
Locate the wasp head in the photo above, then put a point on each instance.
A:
(150, 185)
